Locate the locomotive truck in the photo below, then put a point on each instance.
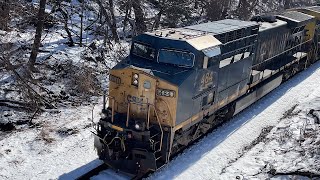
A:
(177, 84)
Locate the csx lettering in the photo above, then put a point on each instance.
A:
(134, 99)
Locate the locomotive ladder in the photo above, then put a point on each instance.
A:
(148, 120)
(157, 138)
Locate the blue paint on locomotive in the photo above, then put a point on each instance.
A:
(244, 46)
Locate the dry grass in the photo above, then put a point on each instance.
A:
(84, 81)
(45, 135)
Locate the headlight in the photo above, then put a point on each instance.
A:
(137, 126)
(166, 92)
(103, 115)
(135, 79)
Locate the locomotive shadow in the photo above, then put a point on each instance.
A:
(108, 174)
(191, 155)
(81, 170)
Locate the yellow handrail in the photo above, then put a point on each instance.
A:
(128, 115)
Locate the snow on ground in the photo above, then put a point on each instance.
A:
(292, 147)
(59, 146)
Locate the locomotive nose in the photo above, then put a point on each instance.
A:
(132, 134)
(140, 92)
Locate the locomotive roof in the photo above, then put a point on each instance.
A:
(314, 8)
(177, 33)
(195, 31)
(222, 26)
(295, 18)
(267, 25)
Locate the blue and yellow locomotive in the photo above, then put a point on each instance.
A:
(177, 84)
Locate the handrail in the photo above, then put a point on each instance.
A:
(128, 115)
(112, 111)
(161, 139)
(113, 106)
(168, 109)
(148, 116)
(148, 119)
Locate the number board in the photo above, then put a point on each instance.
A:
(206, 81)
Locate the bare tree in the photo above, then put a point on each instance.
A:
(65, 16)
(140, 24)
(126, 5)
(107, 9)
(4, 14)
(81, 22)
(29, 89)
(287, 4)
(245, 8)
(37, 39)
(175, 13)
(113, 22)
(217, 9)
(158, 16)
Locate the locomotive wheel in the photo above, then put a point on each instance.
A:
(230, 112)
(287, 74)
(226, 113)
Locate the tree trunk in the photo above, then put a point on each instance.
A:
(245, 8)
(81, 24)
(157, 20)
(37, 39)
(217, 9)
(126, 17)
(139, 17)
(66, 28)
(113, 22)
(287, 4)
(161, 7)
(4, 14)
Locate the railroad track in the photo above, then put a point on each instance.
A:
(93, 172)
(102, 167)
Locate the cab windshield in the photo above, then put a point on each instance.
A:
(179, 58)
(143, 51)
